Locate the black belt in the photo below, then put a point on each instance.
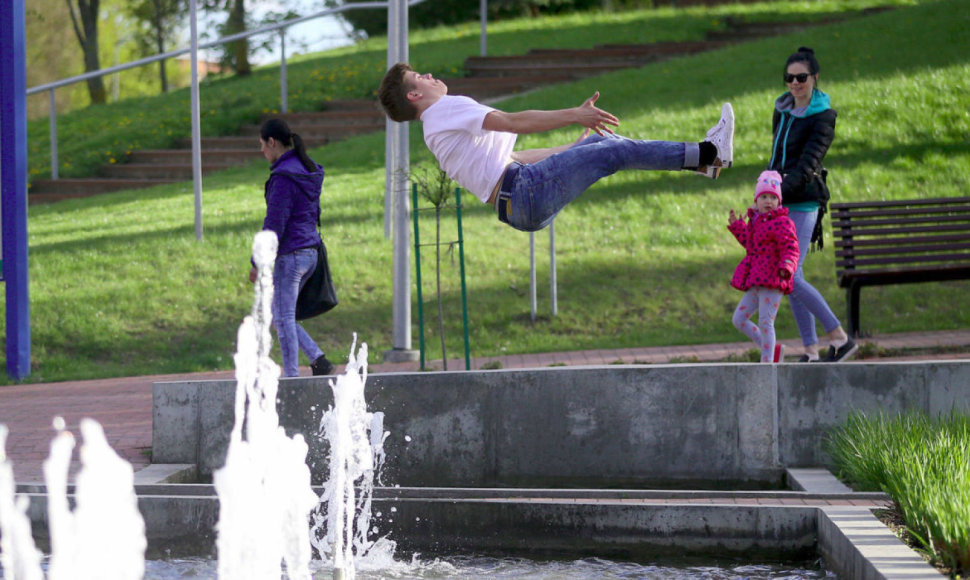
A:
(504, 200)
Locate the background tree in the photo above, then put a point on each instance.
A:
(157, 25)
(87, 35)
(429, 14)
(235, 54)
(241, 16)
(49, 58)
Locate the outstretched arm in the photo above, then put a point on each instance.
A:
(534, 121)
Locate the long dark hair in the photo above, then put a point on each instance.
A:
(279, 130)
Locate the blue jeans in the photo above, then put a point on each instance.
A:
(542, 190)
(289, 275)
(806, 303)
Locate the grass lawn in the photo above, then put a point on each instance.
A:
(119, 285)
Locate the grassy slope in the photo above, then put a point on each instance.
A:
(119, 286)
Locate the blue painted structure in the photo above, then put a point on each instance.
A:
(13, 183)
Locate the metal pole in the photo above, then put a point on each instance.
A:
(13, 184)
(397, 47)
(483, 22)
(389, 128)
(283, 70)
(53, 126)
(552, 268)
(196, 122)
(532, 274)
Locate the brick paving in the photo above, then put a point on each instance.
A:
(123, 406)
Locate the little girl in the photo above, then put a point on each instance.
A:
(765, 273)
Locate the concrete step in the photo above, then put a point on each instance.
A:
(350, 105)
(179, 156)
(630, 54)
(571, 70)
(244, 143)
(634, 49)
(319, 131)
(170, 171)
(493, 86)
(54, 189)
(336, 118)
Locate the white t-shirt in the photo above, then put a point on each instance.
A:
(474, 157)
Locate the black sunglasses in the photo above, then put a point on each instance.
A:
(802, 77)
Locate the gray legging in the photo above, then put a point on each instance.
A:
(806, 303)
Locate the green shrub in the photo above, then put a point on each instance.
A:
(923, 463)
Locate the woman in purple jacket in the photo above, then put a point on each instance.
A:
(292, 212)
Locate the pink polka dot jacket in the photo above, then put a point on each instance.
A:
(771, 245)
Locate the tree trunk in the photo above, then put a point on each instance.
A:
(240, 48)
(159, 27)
(87, 36)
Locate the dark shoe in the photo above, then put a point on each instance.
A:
(322, 366)
(804, 359)
(842, 353)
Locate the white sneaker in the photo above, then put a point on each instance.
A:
(722, 136)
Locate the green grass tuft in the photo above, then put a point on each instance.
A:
(923, 463)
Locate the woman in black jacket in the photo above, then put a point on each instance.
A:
(803, 126)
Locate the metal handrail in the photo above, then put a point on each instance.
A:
(279, 26)
(210, 44)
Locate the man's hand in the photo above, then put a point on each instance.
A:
(253, 274)
(592, 117)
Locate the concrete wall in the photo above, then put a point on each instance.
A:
(622, 426)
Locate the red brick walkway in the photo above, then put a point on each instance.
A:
(123, 406)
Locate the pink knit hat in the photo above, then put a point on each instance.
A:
(768, 182)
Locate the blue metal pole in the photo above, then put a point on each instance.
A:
(13, 183)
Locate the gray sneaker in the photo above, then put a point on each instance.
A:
(722, 136)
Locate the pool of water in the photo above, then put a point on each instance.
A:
(478, 567)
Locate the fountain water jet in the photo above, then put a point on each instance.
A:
(264, 488)
(105, 519)
(342, 522)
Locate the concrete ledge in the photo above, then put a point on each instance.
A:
(852, 542)
(856, 545)
(815, 480)
(730, 426)
(167, 473)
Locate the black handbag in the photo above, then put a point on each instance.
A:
(821, 179)
(318, 294)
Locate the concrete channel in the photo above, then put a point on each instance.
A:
(624, 461)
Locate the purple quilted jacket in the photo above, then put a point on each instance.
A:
(771, 245)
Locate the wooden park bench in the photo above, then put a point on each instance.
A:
(899, 242)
